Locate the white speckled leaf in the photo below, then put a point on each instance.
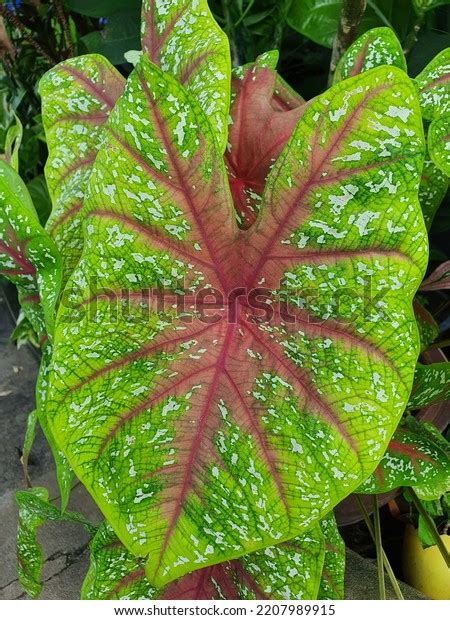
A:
(77, 97)
(439, 143)
(211, 428)
(291, 571)
(433, 84)
(183, 38)
(431, 385)
(333, 571)
(34, 510)
(413, 457)
(28, 256)
(432, 190)
(376, 47)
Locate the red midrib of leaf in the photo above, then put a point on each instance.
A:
(129, 579)
(409, 450)
(94, 89)
(219, 369)
(26, 268)
(310, 183)
(153, 41)
(206, 238)
(356, 69)
(321, 407)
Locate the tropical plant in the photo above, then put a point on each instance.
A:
(226, 308)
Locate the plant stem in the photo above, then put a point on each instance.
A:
(430, 525)
(64, 27)
(387, 566)
(351, 15)
(16, 23)
(379, 549)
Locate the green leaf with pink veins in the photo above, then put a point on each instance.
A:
(376, 47)
(183, 38)
(291, 570)
(187, 429)
(77, 97)
(433, 85)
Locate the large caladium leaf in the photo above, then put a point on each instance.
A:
(183, 38)
(376, 47)
(333, 571)
(77, 97)
(263, 117)
(413, 457)
(34, 510)
(291, 570)
(210, 422)
(431, 384)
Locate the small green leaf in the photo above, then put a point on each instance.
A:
(379, 46)
(28, 256)
(34, 510)
(317, 21)
(433, 84)
(431, 385)
(432, 190)
(414, 456)
(114, 572)
(427, 326)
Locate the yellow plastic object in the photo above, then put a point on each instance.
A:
(425, 569)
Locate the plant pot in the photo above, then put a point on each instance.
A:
(425, 569)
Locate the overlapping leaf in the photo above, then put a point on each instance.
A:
(433, 84)
(333, 570)
(439, 279)
(434, 87)
(376, 47)
(431, 384)
(427, 326)
(414, 457)
(34, 510)
(28, 256)
(292, 570)
(439, 143)
(77, 97)
(263, 116)
(432, 190)
(210, 424)
(183, 38)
